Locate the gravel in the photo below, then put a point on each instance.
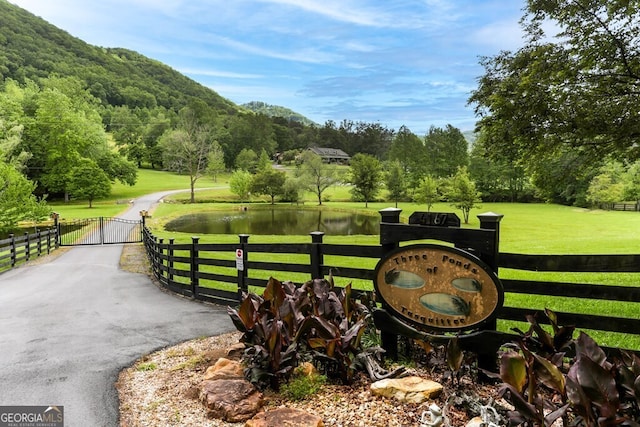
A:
(162, 389)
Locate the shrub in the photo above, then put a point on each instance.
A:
(316, 320)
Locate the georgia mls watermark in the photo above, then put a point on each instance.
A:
(31, 416)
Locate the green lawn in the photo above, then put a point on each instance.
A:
(525, 228)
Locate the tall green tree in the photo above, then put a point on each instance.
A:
(268, 181)
(128, 131)
(499, 178)
(461, 192)
(366, 177)
(572, 87)
(247, 160)
(427, 192)
(446, 150)
(215, 161)
(410, 152)
(17, 202)
(604, 190)
(317, 175)
(395, 181)
(631, 180)
(88, 181)
(240, 184)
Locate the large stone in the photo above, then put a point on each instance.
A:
(231, 400)
(408, 389)
(285, 417)
(224, 369)
(235, 351)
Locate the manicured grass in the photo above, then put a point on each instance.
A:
(148, 182)
(525, 228)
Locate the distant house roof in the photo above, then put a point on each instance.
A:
(330, 153)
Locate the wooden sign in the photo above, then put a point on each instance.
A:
(438, 287)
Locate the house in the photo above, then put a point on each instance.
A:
(331, 155)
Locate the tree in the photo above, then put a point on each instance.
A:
(268, 181)
(292, 189)
(631, 180)
(446, 150)
(264, 161)
(409, 150)
(215, 161)
(88, 181)
(128, 130)
(499, 179)
(395, 181)
(186, 149)
(564, 177)
(462, 193)
(240, 184)
(317, 175)
(427, 192)
(247, 160)
(17, 202)
(603, 190)
(575, 90)
(366, 173)
(63, 131)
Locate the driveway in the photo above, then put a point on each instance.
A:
(68, 326)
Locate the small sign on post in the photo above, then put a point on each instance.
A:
(239, 260)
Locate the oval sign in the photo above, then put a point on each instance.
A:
(438, 287)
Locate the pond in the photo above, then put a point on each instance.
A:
(292, 221)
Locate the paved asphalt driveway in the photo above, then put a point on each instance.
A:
(68, 326)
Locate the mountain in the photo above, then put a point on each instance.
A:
(278, 111)
(31, 48)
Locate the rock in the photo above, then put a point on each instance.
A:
(307, 369)
(232, 400)
(224, 369)
(475, 422)
(285, 417)
(409, 389)
(235, 351)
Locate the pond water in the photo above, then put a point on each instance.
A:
(276, 221)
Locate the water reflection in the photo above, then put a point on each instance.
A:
(276, 221)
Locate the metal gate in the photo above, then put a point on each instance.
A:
(98, 231)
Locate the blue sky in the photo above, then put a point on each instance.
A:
(393, 62)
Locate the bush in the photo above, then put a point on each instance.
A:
(316, 320)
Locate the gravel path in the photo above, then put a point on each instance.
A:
(68, 326)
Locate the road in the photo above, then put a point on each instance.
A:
(69, 325)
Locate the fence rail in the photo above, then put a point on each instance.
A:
(179, 267)
(16, 250)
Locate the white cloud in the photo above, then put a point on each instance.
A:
(217, 73)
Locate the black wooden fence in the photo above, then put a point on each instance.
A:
(183, 268)
(19, 249)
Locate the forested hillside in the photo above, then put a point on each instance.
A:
(277, 111)
(31, 48)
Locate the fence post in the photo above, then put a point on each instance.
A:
(170, 263)
(389, 216)
(195, 265)
(243, 274)
(156, 271)
(317, 258)
(27, 248)
(48, 241)
(56, 225)
(490, 221)
(13, 249)
(39, 246)
(160, 262)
